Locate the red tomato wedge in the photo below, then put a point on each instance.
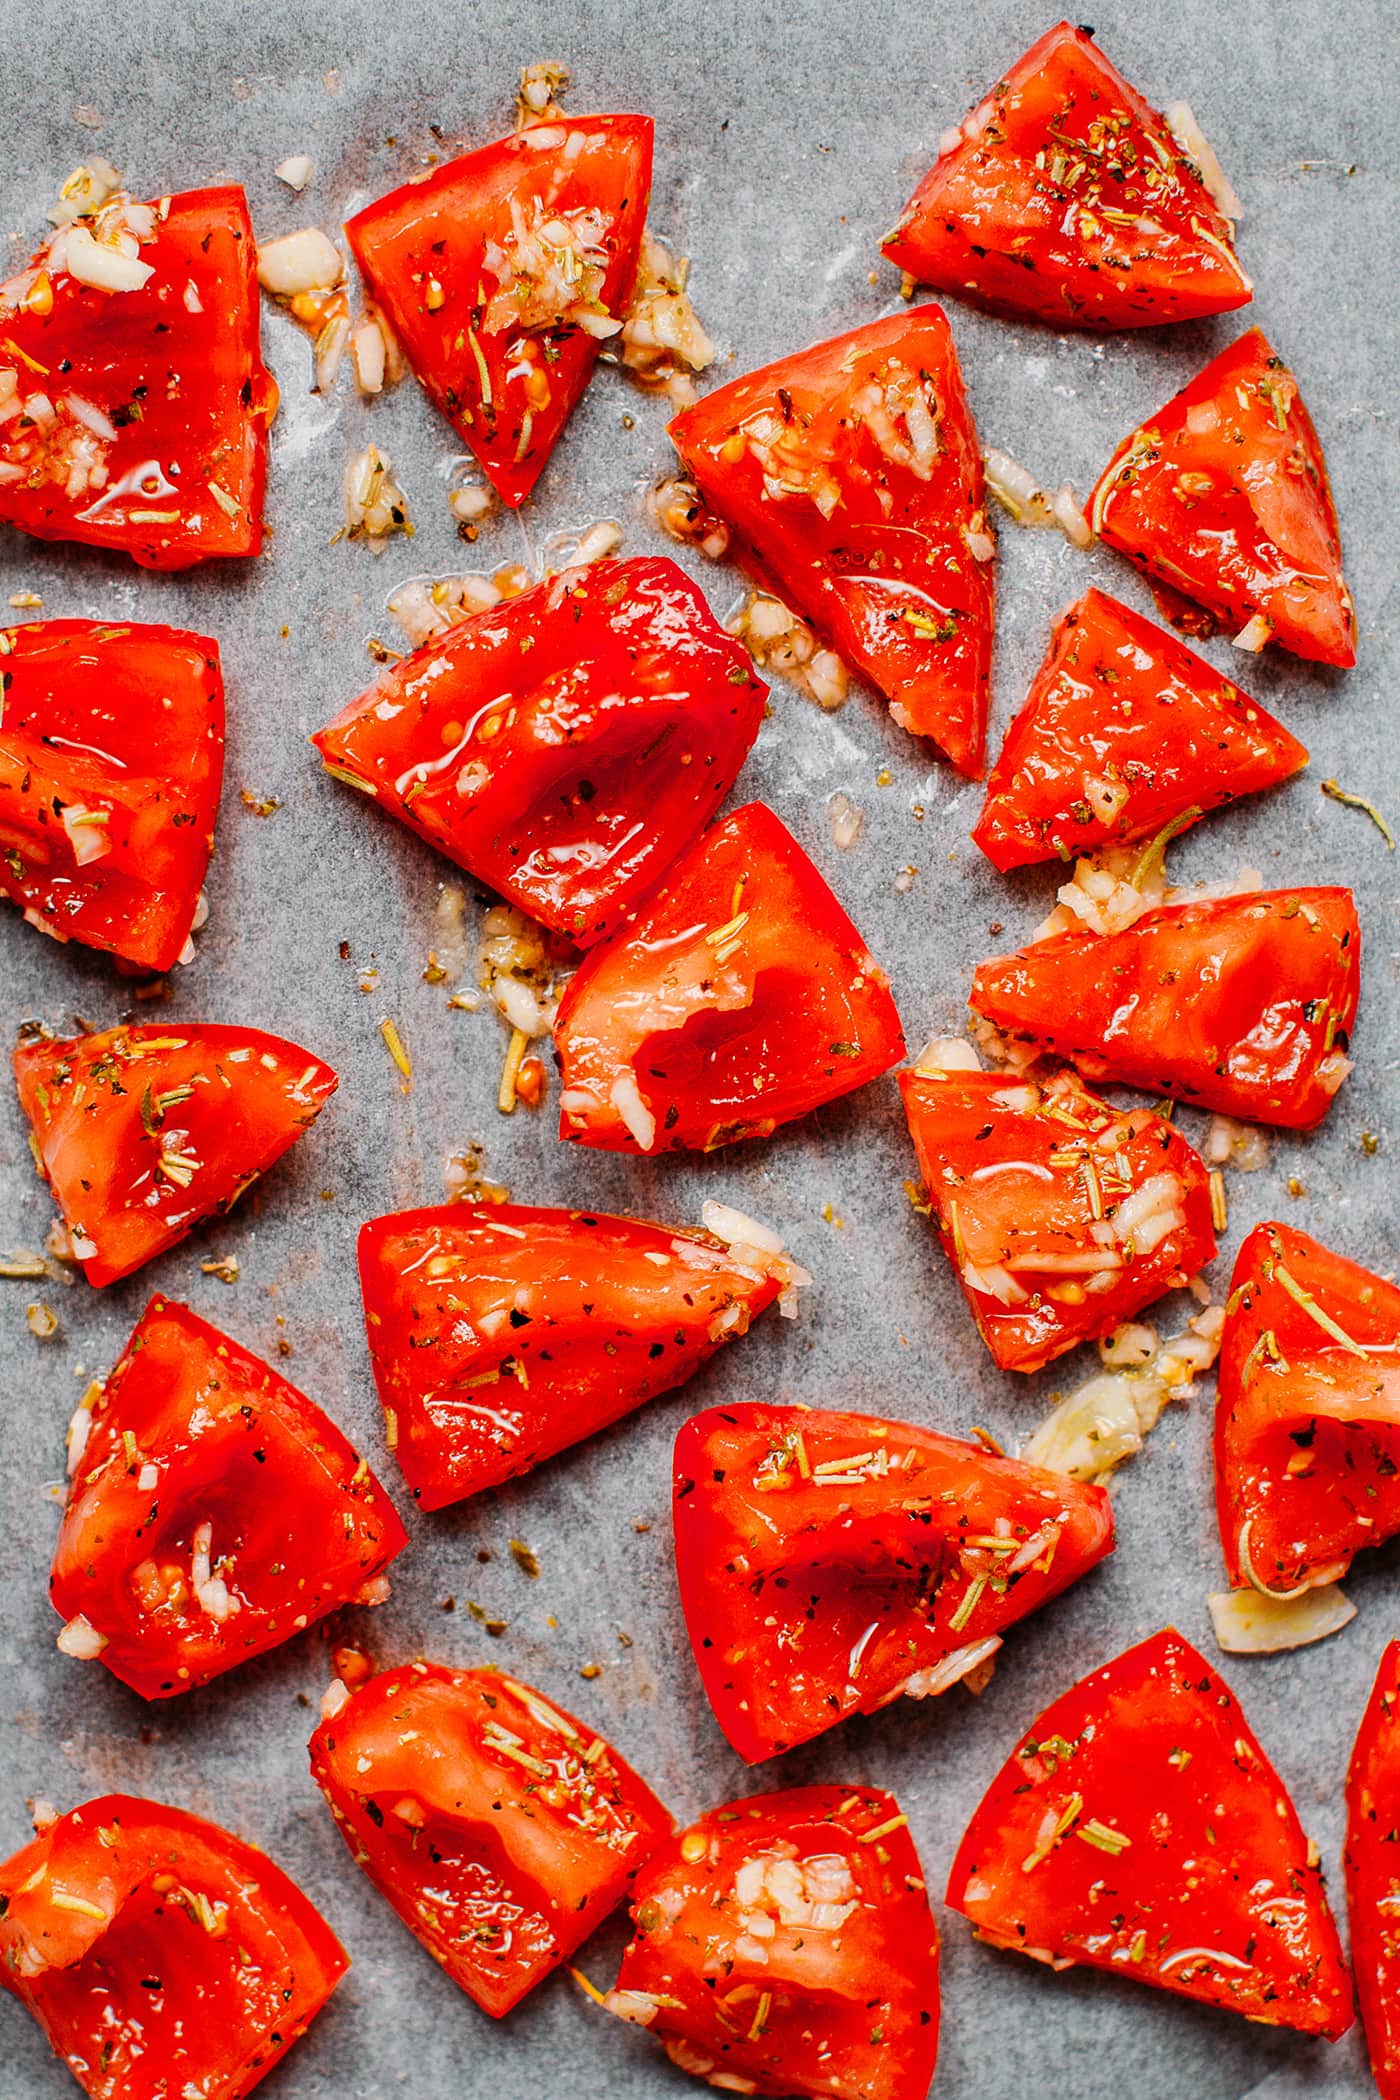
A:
(160, 1955)
(213, 1512)
(111, 761)
(1307, 1426)
(137, 419)
(740, 996)
(503, 274)
(1064, 196)
(1243, 1004)
(1373, 1873)
(784, 1944)
(852, 477)
(1124, 731)
(1062, 1217)
(1139, 1828)
(501, 1829)
(1224, 497)
(141, 1132)
(829, 1563)
(564, 746)
(500, 1334)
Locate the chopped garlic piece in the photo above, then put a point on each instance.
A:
(1247, 1622)
(295, 171)
(779, 640)
(81, 1639)
(1181, 123)
(305, 261)
(101, 265)
(375, 505)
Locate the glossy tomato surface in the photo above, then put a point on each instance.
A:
(566, 745)
(1373, 1872)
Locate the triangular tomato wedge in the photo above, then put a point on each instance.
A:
(141, 1132)
(1139, 1828)
(1243, 1004)
(851, 476)
(1062, 1217)
(1372, 1862)
(138, 419)
(213, 1511)
(1223, 495)
(111, 760)
(1064, 195)
(505, 272)
(829, 1563)
(565, 745)
(500, 1334)
(1307, 1426)
(740, 997)
(1124, 731)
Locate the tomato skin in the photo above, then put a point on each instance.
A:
(837, 525)
(1014, 1169)
(600, 719)
(1224, 495)
(570, 1318)
(101, 1132)
(434, 241)
(242, 1961)
(706, 1006)
(1373, 1815)
(1155, 1750)
(1307, 1430)
(128, 720)
(178, 374)
(304, 1523)
(849, 2009)
(883, 1559)
(1120, 709)
(527, 1853)
(993, 223)
(1234, 1003)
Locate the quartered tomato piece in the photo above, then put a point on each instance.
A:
(160, 1955)
(134, 402)
(1139, 1828)
(1373, 1872)
(564, 746)
(111, 760)
(1062, 1217)
(141, 1132)
(504, 273)
(500, 1333)
(1224, 497)
(1065, 196)
(1124, 731)
(1243, 1004)
(500, 1828)
(213, 1512)
(851, 476)
(830, 1562)
(740, 997)
(1307, 1427)
(784, 1944)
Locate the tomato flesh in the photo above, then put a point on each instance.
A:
(1139, 1828)
(178, 1960)
(1124, 731)
(494, 269)
(1242, 1004)
(143, 414)
(502, 1333)
(1064, 196)
(708, 1020)
(566, 745)
(501, 1829)
(786, 1941)
(829, 1563)
(1373, 1875)
(1062, 1217)
(851, 478)
(1223, 496)
(141, 1132)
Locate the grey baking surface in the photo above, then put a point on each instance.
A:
(787, 139)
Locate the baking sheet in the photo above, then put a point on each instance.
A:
(787, 139)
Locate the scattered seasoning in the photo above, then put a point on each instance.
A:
(510, 1073)
(226, 1268)
(393, 1043)
(525, 1559)
(1219, 1208)
(591, 1670)
(23, 1265)
(260, 805)
(1336, 793)
(1370, 1145)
